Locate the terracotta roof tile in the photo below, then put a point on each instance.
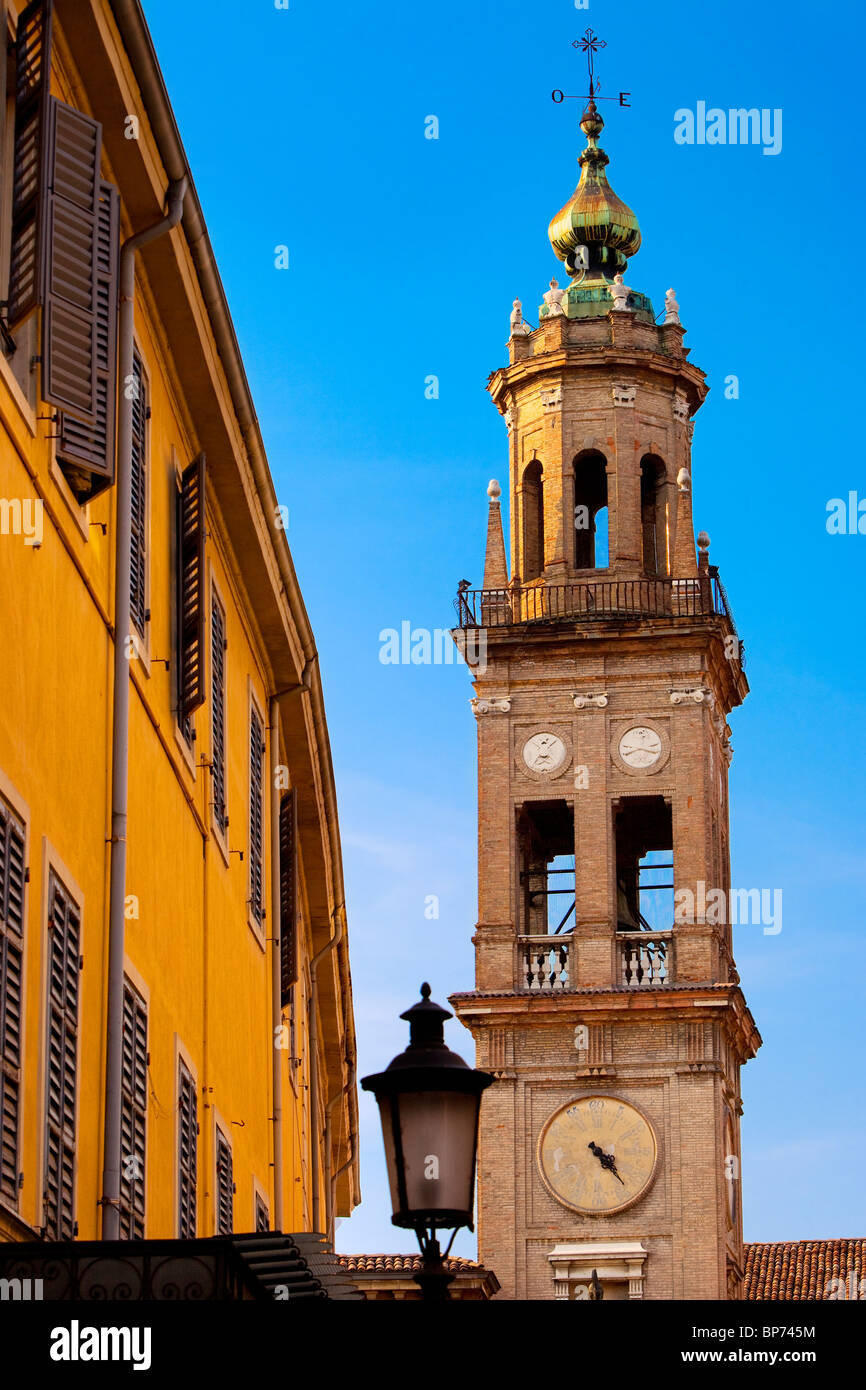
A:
(404, 1262)
(803, 1269)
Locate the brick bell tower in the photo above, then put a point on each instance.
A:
(606, 999)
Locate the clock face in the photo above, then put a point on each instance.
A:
(640, 746)
(544, 752)
(597, 1155)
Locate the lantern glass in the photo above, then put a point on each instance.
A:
(434, 1132)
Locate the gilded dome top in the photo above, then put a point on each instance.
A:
(594, 216)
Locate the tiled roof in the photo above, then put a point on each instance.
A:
(362, 1263)
(803, 1269)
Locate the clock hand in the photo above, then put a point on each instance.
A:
(607, 1161)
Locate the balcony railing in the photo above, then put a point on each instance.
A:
(545, 963)
(644, 958)
(595, 599)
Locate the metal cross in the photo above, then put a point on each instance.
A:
(590, 44)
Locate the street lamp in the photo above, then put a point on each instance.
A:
(429, 1101)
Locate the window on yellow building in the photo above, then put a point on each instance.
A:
(219, 647)
(12, 878)
(225, 1185)
(288, 894)
(187, 1114)
(257, 772)
(61, 1066)
(190, 604)
(59, 246)
(263, 1221)
(133, 1114)
(138, 542)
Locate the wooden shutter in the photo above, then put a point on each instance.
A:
(69, 298)
(90, 449)
(288, 894)
(225, 1186)
(191, 589)
(138, 500)
(218, 711)
(133, 1114)
(61, 1084)
(263, 1221)
(257, 749)
(187, 1109)
(12, 871)
(32, 81)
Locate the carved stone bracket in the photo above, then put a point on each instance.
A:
(509, 420)
(696, 696)
(681, 407)
(491, 706)
(624, 395)
(591, 701)
(551, 398)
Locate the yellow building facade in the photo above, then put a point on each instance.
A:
(235, 1050)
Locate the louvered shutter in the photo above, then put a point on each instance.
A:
(92, 447)
(288, 894)
(62, 1062)
(187, 1108)
(218, 711)
(133, 1114)
(256, 815)
(69, 313)
(191, 605)
(138, 499)
(12, 870)
(225, 1186)
(32, 79)
(263, 1221)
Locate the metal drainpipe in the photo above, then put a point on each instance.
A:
(110, 1199)
(331, 1188)
(313, 1033)
(276, 984)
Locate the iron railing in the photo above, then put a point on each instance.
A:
(594, 599)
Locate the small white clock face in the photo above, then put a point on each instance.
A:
(640, 746)
(544, 753)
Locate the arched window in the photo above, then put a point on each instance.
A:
(590, 511)
(652, 514)
(533, 520)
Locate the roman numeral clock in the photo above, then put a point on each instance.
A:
(610, 1140)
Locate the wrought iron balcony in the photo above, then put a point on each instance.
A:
(594, 599)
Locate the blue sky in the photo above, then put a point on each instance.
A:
(305, 128)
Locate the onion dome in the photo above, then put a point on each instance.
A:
(594, 216)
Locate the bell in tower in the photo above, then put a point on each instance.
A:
(606, 1002)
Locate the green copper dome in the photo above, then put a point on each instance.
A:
(594, 216)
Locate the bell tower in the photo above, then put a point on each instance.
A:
(607, 1003)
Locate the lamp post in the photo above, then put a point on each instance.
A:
(429, 1101)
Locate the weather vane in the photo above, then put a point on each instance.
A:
(589, 44)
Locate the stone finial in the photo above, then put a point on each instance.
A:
(553, 298)
(672, 308)
(684, 481)
(703, 541)
(619, 294)
(519, 325)
(495, 563)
